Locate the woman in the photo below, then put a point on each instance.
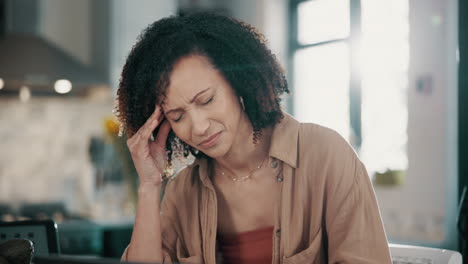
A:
(263, 188)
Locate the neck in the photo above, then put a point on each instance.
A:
(245, 156)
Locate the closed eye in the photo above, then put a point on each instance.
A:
(208, 101)
(204, 103)
(178, 119)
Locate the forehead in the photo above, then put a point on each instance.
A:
(189, 69)
(190, 75)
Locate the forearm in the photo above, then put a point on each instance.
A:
(146, 241)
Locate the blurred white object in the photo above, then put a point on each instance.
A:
(63, 86)
(423, 255)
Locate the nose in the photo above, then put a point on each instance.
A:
(200, 124)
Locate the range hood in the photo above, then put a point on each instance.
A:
(27, 58)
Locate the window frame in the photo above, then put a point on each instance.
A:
(353, 41)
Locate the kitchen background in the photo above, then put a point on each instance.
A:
(387, 75)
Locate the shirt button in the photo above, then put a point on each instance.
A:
(279, 178)
(278, 232)
(274, 164)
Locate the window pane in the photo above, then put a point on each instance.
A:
(384, 69)
(321, 87)
(322, 20)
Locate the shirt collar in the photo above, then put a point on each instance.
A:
(284, 140)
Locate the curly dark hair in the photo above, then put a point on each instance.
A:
(233, 47)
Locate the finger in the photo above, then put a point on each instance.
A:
(152, 122)
(140, 134)
(163, 132)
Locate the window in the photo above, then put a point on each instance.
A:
(384, 68)
(349, 63)
(321, 51)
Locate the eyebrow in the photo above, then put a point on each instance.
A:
(191, 101)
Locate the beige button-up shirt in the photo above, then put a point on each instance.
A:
(327, 211)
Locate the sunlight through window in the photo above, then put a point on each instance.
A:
(322, 72)
(322, 86)
(323, 20)
(384, 68)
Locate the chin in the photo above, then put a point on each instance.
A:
(215, 152)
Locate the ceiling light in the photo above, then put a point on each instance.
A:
(63, 86)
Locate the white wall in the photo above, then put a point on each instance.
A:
(128, 19)
(270, 17)
(423, 211)
(66, 23)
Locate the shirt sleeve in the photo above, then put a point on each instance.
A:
(168, 229)
(166, 256)
(354, 227)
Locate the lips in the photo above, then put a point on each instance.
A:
(211, 141)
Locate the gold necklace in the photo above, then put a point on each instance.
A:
(247, 177)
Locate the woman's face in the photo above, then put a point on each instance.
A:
(202, 107)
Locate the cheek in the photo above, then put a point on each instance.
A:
(232, 111)
(228, 106)
(182, 132)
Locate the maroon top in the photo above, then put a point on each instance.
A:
(251, 247)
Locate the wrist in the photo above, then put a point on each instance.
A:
(146, 187)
